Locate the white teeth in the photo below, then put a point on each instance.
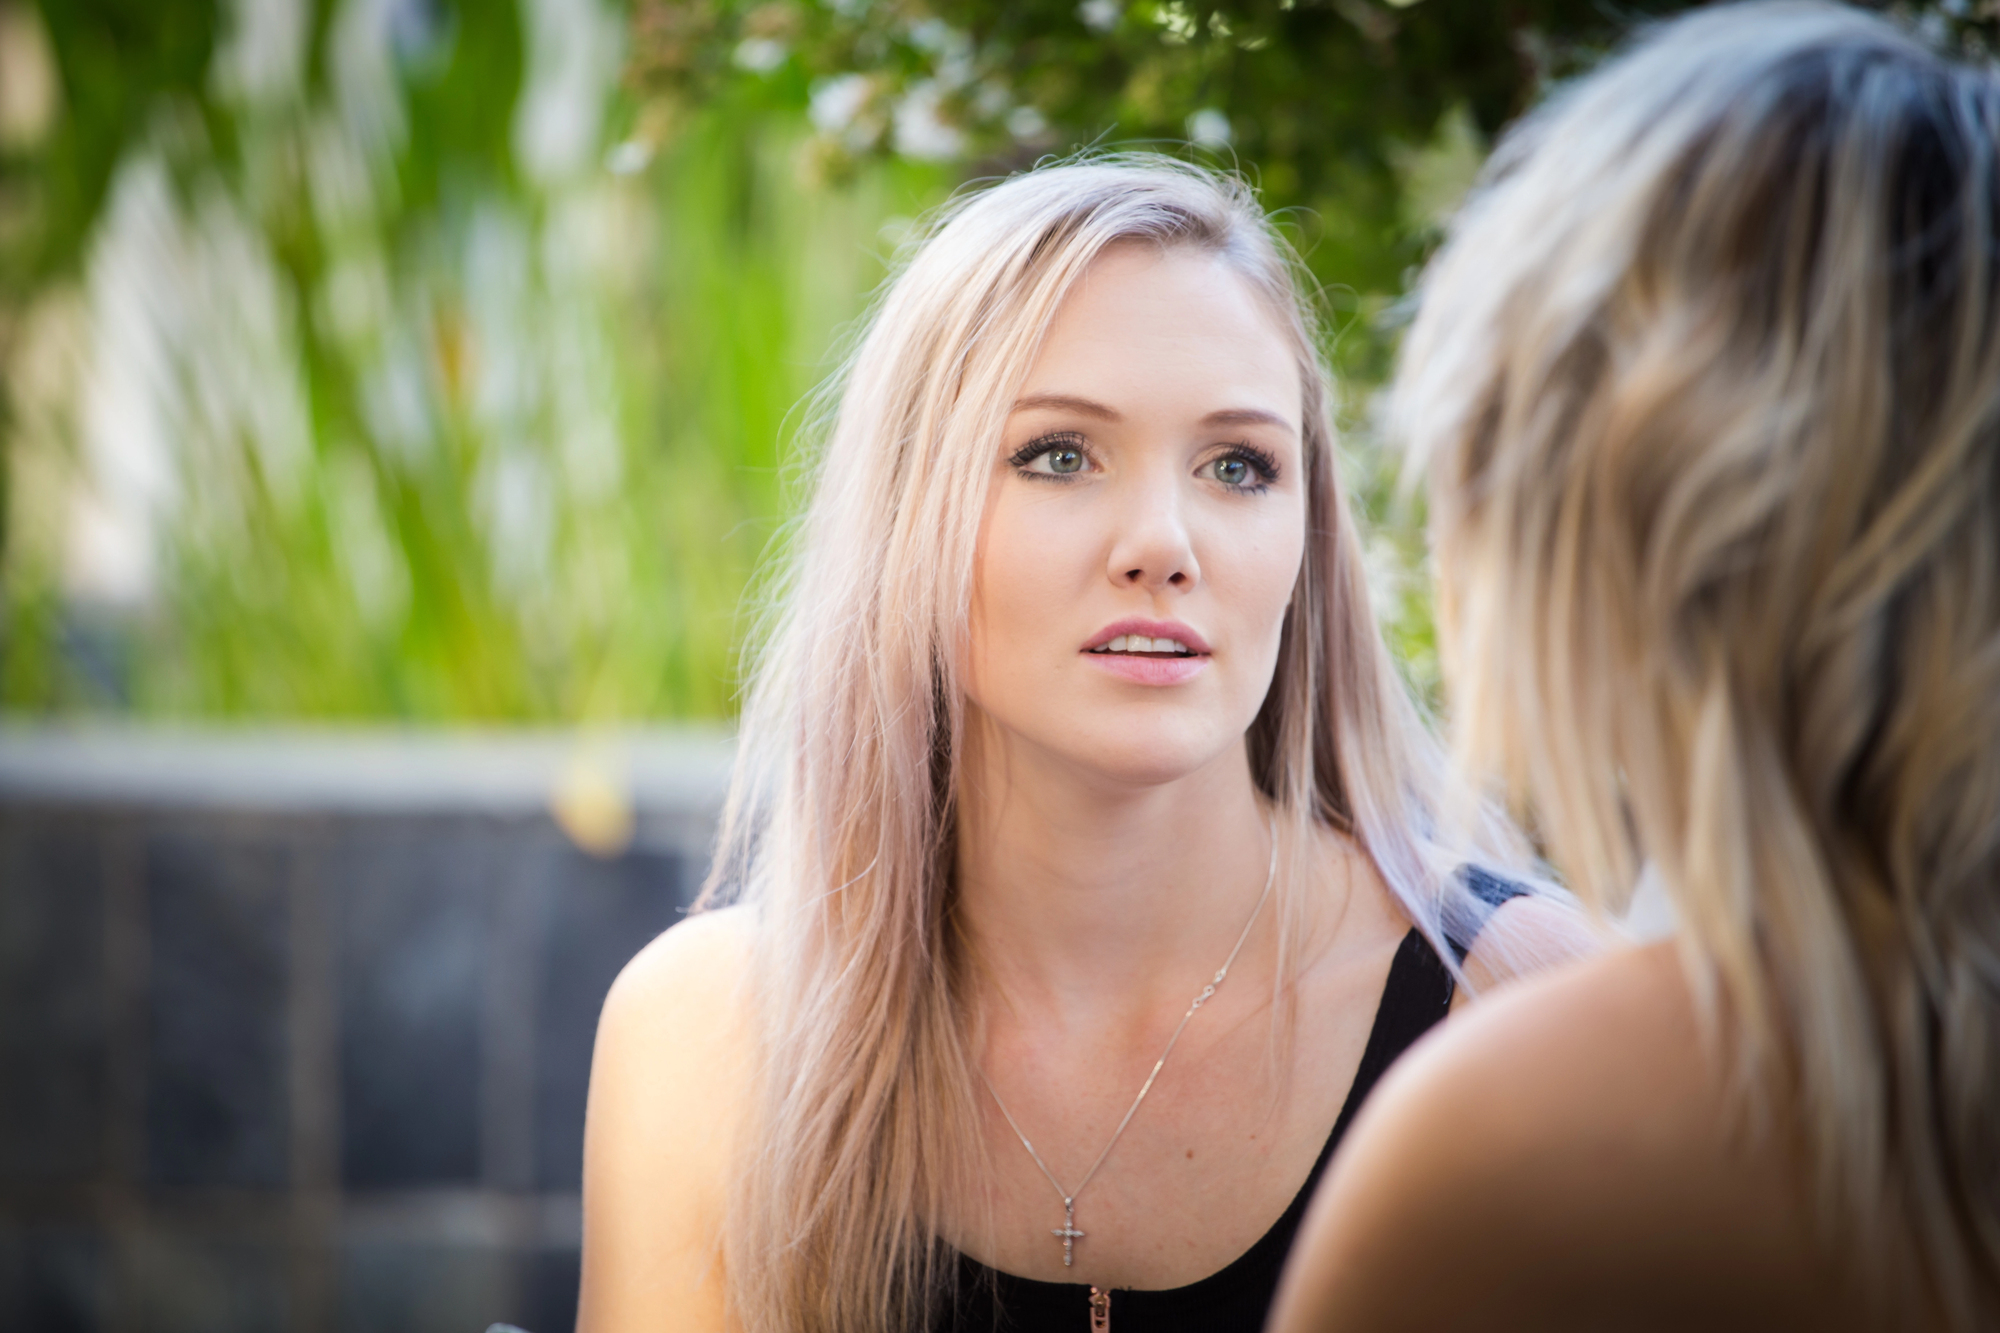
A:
(1139, 643)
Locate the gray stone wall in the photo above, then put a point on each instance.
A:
(295, 1031)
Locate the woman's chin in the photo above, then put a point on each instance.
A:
(1157, 759)
(1117, 746)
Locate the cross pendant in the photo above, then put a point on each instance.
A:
(1070, 1235)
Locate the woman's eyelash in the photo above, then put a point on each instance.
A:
(1035, 448)
(1265, 465)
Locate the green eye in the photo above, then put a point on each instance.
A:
(1052, 456)
(1244, 468)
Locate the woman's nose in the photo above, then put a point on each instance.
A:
(1153, 549)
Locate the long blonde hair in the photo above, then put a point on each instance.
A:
(839, 827)
(1707, 380)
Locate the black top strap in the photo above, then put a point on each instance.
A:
(1492, 892)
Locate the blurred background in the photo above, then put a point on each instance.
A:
(399, 400)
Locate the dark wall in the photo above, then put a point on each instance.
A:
(301, 1072)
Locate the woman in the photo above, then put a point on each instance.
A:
(1074, 710)
(1708, 384)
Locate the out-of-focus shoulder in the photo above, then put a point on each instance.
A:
(1486, 1100)
(1607, 1049)
(1568, 1020)
(1556, 1139)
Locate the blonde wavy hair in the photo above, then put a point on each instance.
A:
(1707, 381)
(839, 825)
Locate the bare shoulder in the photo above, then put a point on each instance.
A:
(700, 963)
(1566, 1152)
(1519, 1078)
(1620, 1027)
(670, 1080)
(674, 1024)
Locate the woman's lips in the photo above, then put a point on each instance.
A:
(1185, 635)
(1148, 670)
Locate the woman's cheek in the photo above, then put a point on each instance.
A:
(1258, 583)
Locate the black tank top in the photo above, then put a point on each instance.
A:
(1416, 997)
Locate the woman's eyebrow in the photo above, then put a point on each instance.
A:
(1246, 416)
(1068, 403)
(1227, 416)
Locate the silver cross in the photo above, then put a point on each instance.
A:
(1070, 1235)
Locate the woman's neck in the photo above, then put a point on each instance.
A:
(1083, 895)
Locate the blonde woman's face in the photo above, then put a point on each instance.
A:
(1146, 523)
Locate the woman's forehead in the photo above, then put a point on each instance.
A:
(1160, 326)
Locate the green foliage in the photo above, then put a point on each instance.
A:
(117, 61)
(510, 439)
(1313, 99)
(467, 415)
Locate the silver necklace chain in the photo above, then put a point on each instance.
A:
(1068, 1233)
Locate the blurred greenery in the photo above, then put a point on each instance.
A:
(439, 360)
(1321, 103)
(453, 432)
